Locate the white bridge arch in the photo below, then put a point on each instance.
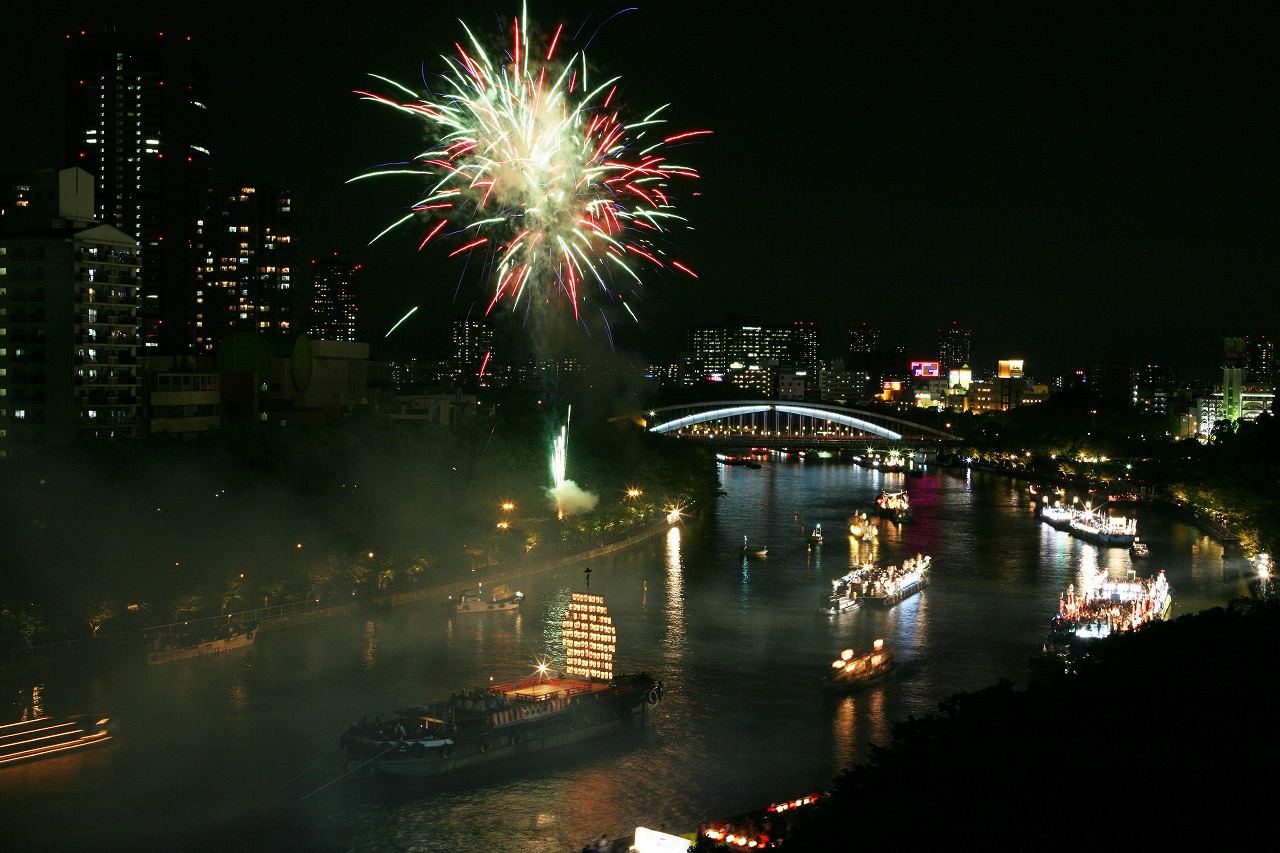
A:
(770, 412)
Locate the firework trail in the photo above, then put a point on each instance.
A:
(531, 170)
(568, 496)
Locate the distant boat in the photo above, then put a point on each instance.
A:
(501, 600)
(894, 505)
(816, 536)
(182, 645)
(753, 551)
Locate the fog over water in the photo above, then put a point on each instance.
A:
(241, 751)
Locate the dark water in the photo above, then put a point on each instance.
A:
(241, 751)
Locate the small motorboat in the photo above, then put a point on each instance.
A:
(752, 550)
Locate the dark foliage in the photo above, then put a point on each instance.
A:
(1160, 737)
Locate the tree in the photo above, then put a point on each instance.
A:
(98, 609)
(187, 605)
(27, 621)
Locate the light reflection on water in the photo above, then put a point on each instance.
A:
(242, 749)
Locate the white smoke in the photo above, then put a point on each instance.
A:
(570, 498)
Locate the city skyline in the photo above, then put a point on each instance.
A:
(1071, 182)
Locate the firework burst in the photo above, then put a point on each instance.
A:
(531, 170)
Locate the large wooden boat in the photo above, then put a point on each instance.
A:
(493, 723)
(47, 736)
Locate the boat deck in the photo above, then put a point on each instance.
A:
(533, 690)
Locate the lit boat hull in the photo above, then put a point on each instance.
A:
(212, 647)
(602, 710)
(47, 737)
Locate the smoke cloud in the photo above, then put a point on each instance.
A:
(570, 498)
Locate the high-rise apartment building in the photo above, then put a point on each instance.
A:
(1260, 357)
(247, 281)
(953, 347)
(808, 352)
(137, 120)
(864, 340)
(472, 348)
(333, 298)
(68, 318)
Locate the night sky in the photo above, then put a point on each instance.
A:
(1072, 181)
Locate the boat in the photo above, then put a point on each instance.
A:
(894, 505)
(1101, 528)
(1056, 516)
(815, 536)
(1091, 525)
(862, 527)
(513, 720)
(1110, 607)
(191, 642)
(753, 551)
(844, 596)
(854, 669)
(887, 585)
(1139, 550)
(501, 599)
(46, 736)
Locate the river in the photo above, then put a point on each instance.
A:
(240, 751)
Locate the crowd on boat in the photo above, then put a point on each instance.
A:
(896, 504)
(1104, 525)
(1111, 606)
(872, 581)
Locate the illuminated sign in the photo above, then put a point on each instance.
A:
(893, 385)
(928, 369)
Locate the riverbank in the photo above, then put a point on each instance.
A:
(133, 643)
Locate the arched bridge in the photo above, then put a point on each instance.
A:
(775, 423)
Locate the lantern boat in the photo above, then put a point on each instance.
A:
(497, 722)
(855, 669)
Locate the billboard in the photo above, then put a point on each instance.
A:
(927, 369)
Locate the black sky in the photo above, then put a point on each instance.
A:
(1070, 180)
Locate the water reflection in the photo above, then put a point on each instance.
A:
(674, 639)
(369, 655)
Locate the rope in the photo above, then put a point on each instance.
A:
(308, 767)
(348, 773)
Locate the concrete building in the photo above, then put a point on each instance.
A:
(68, 318)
